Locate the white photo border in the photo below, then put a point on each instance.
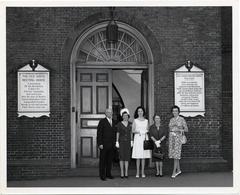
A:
(183, 190)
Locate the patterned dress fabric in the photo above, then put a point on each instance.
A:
(138, 151)
(176, 125)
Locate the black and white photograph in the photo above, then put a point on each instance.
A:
(119, 98)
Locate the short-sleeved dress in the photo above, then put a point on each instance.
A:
(158, 134)
(138, 151)
(124, 141)
(176, 125)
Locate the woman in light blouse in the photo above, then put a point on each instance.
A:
(177, 126)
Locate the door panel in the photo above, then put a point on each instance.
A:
(86, 99)
(86, 147)
(94, 95)
(102, 99)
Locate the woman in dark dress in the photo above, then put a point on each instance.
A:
(124, 141)
(158, 135)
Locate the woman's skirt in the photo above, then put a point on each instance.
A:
(138, 151)
(175, 145)
(124, 150)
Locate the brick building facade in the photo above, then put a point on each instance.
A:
(38, 147)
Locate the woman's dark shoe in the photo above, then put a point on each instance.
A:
(160, 175)
(126, 176)
(157, 175)
(122, 177)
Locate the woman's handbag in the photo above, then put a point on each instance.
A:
(157, 153)
(148, 144)
(183, 138)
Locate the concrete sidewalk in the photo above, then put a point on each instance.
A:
(201, 179)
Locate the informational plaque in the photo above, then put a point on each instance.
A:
(190, 91)
(33, 91)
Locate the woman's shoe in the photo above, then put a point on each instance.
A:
(160, 175)
(157, 175)
(137, 176)
(173, 175)
(178, 173)
(126, 176)
(143, 176)
(122, 177)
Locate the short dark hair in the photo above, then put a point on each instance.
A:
(136, 112)
(176, 108)
(121, 117)
(156, 114)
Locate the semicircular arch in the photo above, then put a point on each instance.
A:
(92, 47)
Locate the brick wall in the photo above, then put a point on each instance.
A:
(47, 34)
(195, 34)
(227, 84)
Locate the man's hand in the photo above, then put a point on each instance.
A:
(101, 147)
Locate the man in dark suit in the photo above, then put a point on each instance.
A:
(106, 137)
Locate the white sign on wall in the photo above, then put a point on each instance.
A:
(33, 91)
(190, 91)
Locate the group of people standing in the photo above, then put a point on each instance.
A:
(129, 139)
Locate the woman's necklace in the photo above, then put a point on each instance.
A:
(125, 123)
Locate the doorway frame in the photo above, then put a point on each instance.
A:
(150, 69)
(73, 77)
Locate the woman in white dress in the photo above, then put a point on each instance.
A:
(140, 130)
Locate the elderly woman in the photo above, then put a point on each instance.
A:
(158, 134)
(177, 126)
(124, 141)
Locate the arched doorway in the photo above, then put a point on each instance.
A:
(102, 74)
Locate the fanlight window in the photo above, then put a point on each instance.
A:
(95, 49)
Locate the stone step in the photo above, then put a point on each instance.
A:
(187, 165)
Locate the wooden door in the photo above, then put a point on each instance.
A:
(94, 95)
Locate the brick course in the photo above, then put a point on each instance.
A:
(174, 34)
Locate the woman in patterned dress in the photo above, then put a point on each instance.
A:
(177, 126)
(140, 130)
(124, 141)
